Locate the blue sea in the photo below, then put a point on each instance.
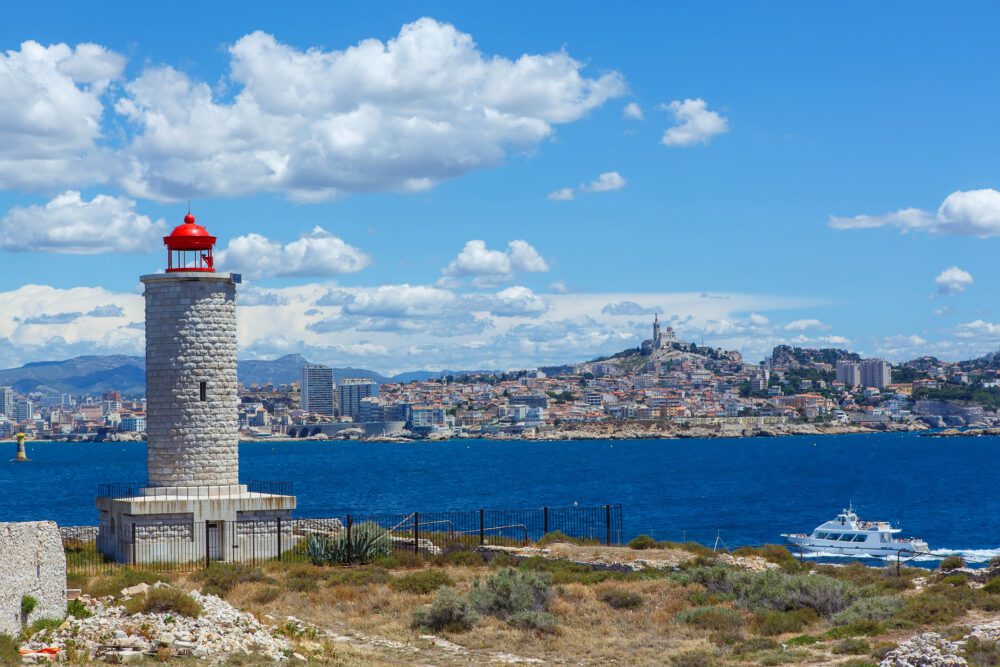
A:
(742, 491)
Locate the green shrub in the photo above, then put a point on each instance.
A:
(642, 542)
(960, 579)
(164, 600)
(774, 590)
(781, 657)
(357, 576)
(9, 654)
(711, 618)
(754, 645)
(951, 563)
(695, 658)
(858, 662)
(267, 594)
(982, 651)
(421, 582)
(879, 608)
(857, 629)
(77, 609)
(220, 578)
(773, 623)
(28, 605)
(617, 598)
(568, 572)
(928, 609)
(450, 611)
(461, 558)
(802, 640)
(302, 581)
(507, 592)
(557, 536)
(851, 646)
(40, 625)
(533, 620)
(400, 560)
(368, 542)
(992, 586)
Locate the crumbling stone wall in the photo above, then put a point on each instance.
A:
(32, 562)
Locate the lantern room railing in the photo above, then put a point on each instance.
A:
(190, 260)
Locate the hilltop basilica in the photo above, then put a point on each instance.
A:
(662, 339)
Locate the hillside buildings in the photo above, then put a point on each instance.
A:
(876, 373)
(351, 392)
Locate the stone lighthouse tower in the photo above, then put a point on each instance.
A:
(192, 503)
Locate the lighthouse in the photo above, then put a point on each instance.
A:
(192, 503)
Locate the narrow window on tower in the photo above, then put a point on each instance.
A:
(203, 391)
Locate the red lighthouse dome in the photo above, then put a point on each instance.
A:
(189, 247)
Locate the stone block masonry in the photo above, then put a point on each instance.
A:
(191, 386)
(32, 562)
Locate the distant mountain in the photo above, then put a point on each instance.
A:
(87, 374)
(97, 374)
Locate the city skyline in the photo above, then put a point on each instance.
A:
(525, 196)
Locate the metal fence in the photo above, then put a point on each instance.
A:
(191, 546)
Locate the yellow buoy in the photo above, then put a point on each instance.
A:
(21, 454)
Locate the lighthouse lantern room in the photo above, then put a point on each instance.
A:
(189, 248)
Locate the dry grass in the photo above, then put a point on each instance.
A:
(369, 615)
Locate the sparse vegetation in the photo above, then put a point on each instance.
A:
(450, 611)
(421, 582)
(618, 598)
(164, 600)
(220, 578)
(77, 609)
(952, 563)
(642, 542)
(8, 650)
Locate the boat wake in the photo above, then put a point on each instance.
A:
(971, 556)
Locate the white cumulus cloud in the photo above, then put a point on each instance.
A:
(475, 259)
(400, 115)
(696, 124)
(72, 225)
(805, 324)
(315, 253)
(962, 213)
(953, 280)
(606, 182)
(564, 194)
(51, 111)
(632, 111)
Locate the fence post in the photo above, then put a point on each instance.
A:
(350, 545)
(482, 527)
(279, 538)
(545, 521)
(416, 532)
(133, 542)
(607, 524)
(208, 552)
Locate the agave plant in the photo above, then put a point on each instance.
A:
(368, 542)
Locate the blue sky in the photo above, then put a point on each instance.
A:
(750, 193)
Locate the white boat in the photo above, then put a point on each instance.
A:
(849, 535)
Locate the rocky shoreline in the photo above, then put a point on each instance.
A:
(967, 433)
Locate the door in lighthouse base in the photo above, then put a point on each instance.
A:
(214, 537)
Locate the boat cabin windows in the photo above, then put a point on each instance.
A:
(860, 537)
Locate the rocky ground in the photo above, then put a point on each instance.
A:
(932, 650)
(113, 635)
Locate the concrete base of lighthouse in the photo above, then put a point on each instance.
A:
(195, 524)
